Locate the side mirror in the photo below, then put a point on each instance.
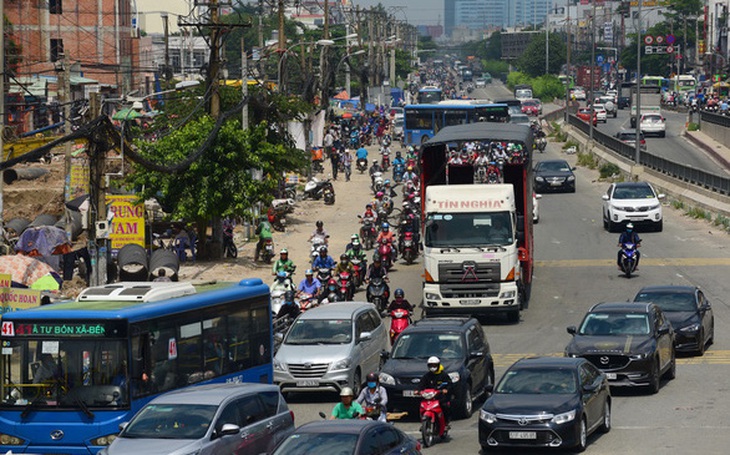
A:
(661, 196)
(278, 336)
(228, 429)
(385, 355)
(663, 330)
(572, 330)
(365, 336)
(323, 415)
(489, 388)
(573, 168)
(538, 196)
(476, 354)
(590, 388)
(604, 197)
(123, 425)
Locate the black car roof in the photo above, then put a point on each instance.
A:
(458, 324)
(549, 362)
(620, 307)
(669, 288)
(355, 426)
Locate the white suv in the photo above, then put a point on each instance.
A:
(653, 123)
(635, 202)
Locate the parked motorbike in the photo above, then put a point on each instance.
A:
(290, 191)
(378, 293)
(328, 192)
(409, 250)
(628, 259)
(362, 165)
(317, 166)
(433, 420)
(230, 250)
(314, 188)
(399, 320)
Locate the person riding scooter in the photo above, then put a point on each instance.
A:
(629, 236)
(283, 264)
(263, 231)
(289, 308)
(323, 260)
(399, 302)
(374, 396)
(436, 378)
(347, 408)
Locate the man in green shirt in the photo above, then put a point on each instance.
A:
(346, 409)
(263, 230)
(284, 264)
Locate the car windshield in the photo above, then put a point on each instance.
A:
(320, 331)
(427, 344)
(669, 301)
(529, 103)
(534, 381)
(553, 166)
(468, 229)
(324, 443)
(170, 421)
(633, 192)
(628, 136)
(608, 324)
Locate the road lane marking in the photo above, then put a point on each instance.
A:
(710, 358)
(651, 262)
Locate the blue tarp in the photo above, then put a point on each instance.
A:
(369, 107)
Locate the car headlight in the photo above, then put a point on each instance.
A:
(570, 354)
(487, 416)
(640, 356)
(654, 207)
(104, 440)
(691, 328)
(571, 178)
(341, 365)
(279, 366)
(454, 376)
(387, 379)
(564, 417)
(430, 296)
(539, 179)
(8, 440)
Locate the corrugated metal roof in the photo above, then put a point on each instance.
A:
(35, 85)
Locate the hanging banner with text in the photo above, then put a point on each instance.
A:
(127, 225)
(14, 299)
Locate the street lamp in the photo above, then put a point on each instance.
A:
(322, 42)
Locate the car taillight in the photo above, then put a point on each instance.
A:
(291, 413)
(643, 141)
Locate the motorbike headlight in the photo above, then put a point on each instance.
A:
(8, 440)
(430, 296)
(454, 376)
(539, 179)
(690, 328)
(104, 440)
(571, 178)
(341, 365)
(279, 366)
(387, 379)
(488, 417)
(564, 417)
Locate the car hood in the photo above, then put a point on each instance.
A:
(681, 319)
(416, 367)
(312, 353)
(550, 174)
(616, 344)
(634, 202)
(122, 446)
(530, 404)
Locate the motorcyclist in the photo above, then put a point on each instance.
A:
(263, 231)
(411, 153)
(344, 265)
(375, 396)
(347, 408)
(399, 160)
(361, 153)
(436, 378)
(386, 236)
(388, 189)
(309, 285)
(323, 260)
(331, 288)
(356, 252)
(319, 235)
(376, 167)
(282, 282)
(629, 236)
(353, 238)
(376, 270)
(379, 203)
(369, 215)
(283, 264)
(409, 175)
(289, 308)
(399, 302)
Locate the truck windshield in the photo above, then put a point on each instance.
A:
(468, 229)
(62, 373)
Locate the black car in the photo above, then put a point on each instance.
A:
(356, 437)
(554, 175)
(461, 346)
(688, 310)
(632, 343)
(623, 101)
(546, 402)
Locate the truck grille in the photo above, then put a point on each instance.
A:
(469, 290)
(470, 272)
(308, 370)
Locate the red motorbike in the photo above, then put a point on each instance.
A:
(386, 161)
(359, 268)
(385, 251)
(399, 320)
(409, 249)
(433, 420)
(345, 284)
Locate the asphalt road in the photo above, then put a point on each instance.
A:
(575, 269)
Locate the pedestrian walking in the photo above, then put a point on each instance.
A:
(335, 160)
(346, 158)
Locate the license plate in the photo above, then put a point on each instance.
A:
(310, 383)
(555, 183)
(611, 376)
(522, 435)
(470, 302)
(410, 393)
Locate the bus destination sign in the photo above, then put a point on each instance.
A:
(91, 329)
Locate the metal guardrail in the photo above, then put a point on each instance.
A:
(707, 180)
(717, 119)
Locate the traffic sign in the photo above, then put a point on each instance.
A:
(648, 39)
(599, 59)
(670, 39)
(659, 39)
(670, 49)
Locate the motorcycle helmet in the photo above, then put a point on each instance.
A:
(332, 284)
(629, 227)
(379, 194)
(397, 154)
(385, 226)
(289, 296)
(323, 250)
(433, 364)
(354, 237)
(347, 392)
(375, 161)
(344, 257)
(284, 251)
(376, 259)
(309, 272)
(320, 224)
(409, 168)
(368, 205)
(281, 275)
(399, 293)
(386, 182)
(372, 380)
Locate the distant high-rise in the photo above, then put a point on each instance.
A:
(486, 14)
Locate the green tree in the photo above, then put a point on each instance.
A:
(494, 47)
(532, 61)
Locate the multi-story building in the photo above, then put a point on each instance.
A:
(488, 14)
(99, 37)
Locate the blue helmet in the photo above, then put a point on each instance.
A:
(281, 274)
(385, 226)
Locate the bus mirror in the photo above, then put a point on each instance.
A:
(520, 223)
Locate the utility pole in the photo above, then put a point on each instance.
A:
(282, 37)
(66, 103)
(166, 27)
(214, 65)
(323, 67)
(639, 40)
(592, 67)
(244, 85)
(347, 62)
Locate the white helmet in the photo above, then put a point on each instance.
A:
(433, 360)
(347, 392)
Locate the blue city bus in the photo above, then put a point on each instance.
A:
(423, 121)
(72, 372)
(429, 95)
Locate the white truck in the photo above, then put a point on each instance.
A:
(471, 250)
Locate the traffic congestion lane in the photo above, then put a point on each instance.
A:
(575, 269)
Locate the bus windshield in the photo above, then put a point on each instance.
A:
(468, 229)
(429, 96)
(77, 373)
